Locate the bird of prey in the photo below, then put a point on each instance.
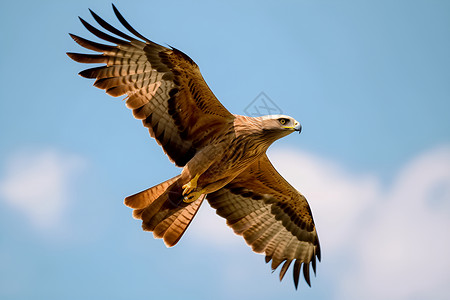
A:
(222, 155)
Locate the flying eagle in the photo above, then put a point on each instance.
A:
(223, 155)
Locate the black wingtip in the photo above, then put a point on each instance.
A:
(91, 73)
(319, 254)
(92, 13)
(109, 27)
(127, 25)
(297, 266)
(306, 273)
(72, 55)
(100, 34)
(285, 268)
(313, 263)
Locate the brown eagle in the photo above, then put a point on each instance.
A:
(222, 155)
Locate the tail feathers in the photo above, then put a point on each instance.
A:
(162, 210)
(145, 198)
(163, 206)
(172, 228)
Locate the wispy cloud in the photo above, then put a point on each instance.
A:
(37, 184)
(210, 228)
(384, 242)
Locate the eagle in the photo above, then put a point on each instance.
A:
(222, 155)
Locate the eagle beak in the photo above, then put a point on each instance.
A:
(298, 127)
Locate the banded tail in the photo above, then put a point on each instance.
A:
(163, 211)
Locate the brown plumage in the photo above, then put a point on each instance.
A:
(223, 156)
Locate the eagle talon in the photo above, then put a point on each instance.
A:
(190, 186)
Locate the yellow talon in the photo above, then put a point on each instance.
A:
(190, 186)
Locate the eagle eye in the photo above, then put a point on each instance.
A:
(283, 121)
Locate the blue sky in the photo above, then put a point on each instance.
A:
(368, 80)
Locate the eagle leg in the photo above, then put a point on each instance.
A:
(190, 186)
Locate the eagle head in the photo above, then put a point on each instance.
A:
(280, 125)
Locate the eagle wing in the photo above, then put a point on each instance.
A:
(164, 88)
(272, 216)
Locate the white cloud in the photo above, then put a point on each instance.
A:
(394, 239)
(37, 184)
(404, 252)
(337, 197)
(210, 228)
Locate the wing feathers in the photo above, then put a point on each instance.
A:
(88, 58)
(278, 256)
(313, 263)
(115, 71)
(272, 217)
(110, 28)
(285, 267)
(164, 88)
(128, 26)
(270, 235)
(100, 34)
(137, 102)
(306, 274)
(297, 266)
(253, 233)
(91, 45)
(129, 83)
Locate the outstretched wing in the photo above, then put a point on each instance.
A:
(272, 216)
(164, 88)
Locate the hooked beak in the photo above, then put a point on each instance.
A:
(298, 127)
